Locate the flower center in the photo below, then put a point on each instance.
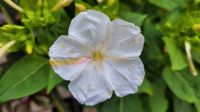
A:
(97, 56)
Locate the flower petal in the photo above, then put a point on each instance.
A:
(68, 68)
(68, 47)
(125, 75)
(126, 40)
(68, 56)
(89, 27)
(91, 86)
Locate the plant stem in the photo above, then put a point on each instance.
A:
(121, 105)
(13, 5)
(6, 47)
(57, 104)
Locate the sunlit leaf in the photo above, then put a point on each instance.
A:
(181, 106)
(178, 85)
(196, 53)
(146, 87)
(25, 77)
(168, 4)
(132, 103)
(158, 102)
(176, 56)
(136, 18)
(109, 106)
(54, 80)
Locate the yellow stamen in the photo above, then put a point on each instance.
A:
(97, 56)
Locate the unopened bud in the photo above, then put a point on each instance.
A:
(61, 4)
(29, 47)
(196, 27)
(189, 58)
(80, 7)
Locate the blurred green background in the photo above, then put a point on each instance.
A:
(171, 55)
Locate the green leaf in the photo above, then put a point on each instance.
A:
(46, 36)
(197, 103)
(132, 103)
(196, 54)
(109, 7)
(165, 4)
(194, 82)
(158, 101)
(176, 56)
(30, 5)
(197, 1)
(136, 18)
(152, 41)
(33, 4)
(25, 77)
(178, 85)
(109, 106)
(54, 79)
(37, 13)
(168, 4)
(146, 87)
(181, 106)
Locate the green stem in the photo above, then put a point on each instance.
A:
(59, 103)
(6, 47)
(56, 103)
(121, 105)
(13, 5)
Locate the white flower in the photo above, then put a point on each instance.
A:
(99, 56)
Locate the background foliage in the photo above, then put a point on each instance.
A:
(171, 53)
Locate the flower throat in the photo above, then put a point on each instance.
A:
(97, 56)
